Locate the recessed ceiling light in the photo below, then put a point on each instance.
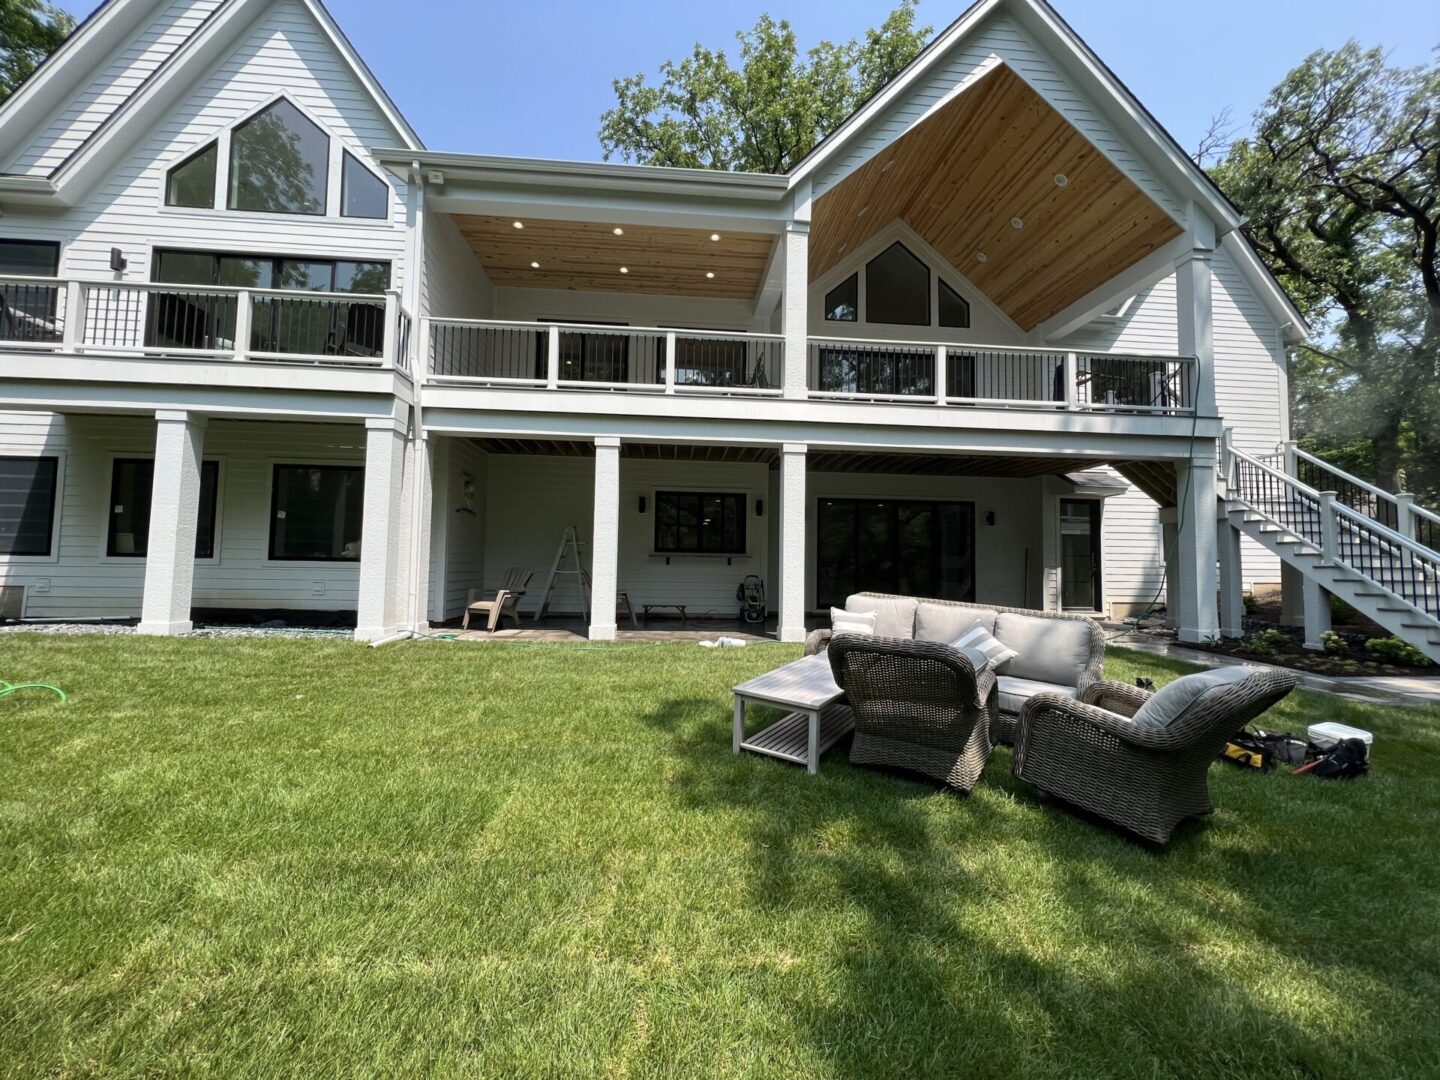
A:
(534, 266)
(1017, 223)
(624, 269)
(980, 256)
(863, 211)
(618, 231)
(1061, 179)
(710, 274)
(887, 166)
(519, 224)
(714, 236)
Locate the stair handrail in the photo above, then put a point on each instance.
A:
(1379, 492)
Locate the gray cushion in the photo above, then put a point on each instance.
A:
(1050, 650)
(1015, 692)
(946, 622)
(1175, 699)
(894, 617)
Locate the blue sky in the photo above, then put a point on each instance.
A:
(532, 78)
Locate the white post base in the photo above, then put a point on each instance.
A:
(164, 629)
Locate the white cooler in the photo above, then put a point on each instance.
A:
(1328, 734)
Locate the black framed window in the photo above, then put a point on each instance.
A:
(897, 288)
(700, 523)
(27, 311)
(279, 162)
(192, 182)
(132, 482)
(27, 504)
(362, 193)
(954, 308)
(910, 547)
(842, 303)
(316, 512)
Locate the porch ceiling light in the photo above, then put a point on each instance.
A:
(981, 257)
(534, 266)
(618, 231)
(710, 274)
(1061, 179)
(624, 269)
(715, 236)
(519, 224)
(1017, 223)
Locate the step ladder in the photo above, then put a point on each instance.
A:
(569, 549)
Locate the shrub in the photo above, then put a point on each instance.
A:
(1334, 643)
(1340, 611)
(1252, 605)
(1392, 650)
(1266, 642)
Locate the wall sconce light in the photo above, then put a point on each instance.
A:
(759, 507)
(642, 504)
(989, 517)
(117, 260)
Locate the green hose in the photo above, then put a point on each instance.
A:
(6, 689)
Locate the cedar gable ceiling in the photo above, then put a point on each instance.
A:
(959, 178)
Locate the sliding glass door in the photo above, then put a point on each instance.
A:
(915, 548)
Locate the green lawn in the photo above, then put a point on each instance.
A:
(271, 858)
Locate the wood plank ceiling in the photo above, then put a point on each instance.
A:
(587, 255)
(987, 158)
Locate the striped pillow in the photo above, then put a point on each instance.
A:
(978, 639)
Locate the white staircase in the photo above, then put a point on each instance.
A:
(1339, 537)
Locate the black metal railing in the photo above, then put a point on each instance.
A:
(30, 311)
(1005, 375)
(879, 370)
(1275, 496)
(1145, 382)
(1409, 573)
(724, 363)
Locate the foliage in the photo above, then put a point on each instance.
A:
(300, 859)
(767, 112)
(1341, 611)
(30, 30)
(1334, 643)
(1269, 642)
(1252, 603)
(1392, 650)
(1339, 185)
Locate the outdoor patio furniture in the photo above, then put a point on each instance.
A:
(918, 705)
(1142, 768)
(501, 603)
(819, 716)
(1058, 653)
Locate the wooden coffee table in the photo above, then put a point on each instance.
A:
(818, 719)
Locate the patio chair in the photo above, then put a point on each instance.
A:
(918, 705)
(501, 603)
(1140, 765)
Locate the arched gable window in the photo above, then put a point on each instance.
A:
(192, 182)
(279, 162)
(897, 288)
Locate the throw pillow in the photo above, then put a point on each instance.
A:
(987, 644)
(1174, 699)
(852, 622)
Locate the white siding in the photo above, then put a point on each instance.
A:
(465, 525)
(84, 582)
(454, 284)
(130, 65)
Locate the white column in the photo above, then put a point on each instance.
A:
(1196, 321)
(1052, 573)
(792, 542)
(1232, 581)
(1317, 615)
(382, 566)
(794, 307)
(1292, 596)
(174, 517)
(605, 539)
(1196, 616)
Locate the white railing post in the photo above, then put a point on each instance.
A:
(1070, 377)
(1227, 458)
(1405, 515)
(244, 320)
(552, 359)
(942, 374)
(74, 335)
(392, 329)
(1329, 529)
(1291, 459)
(670, 362)
(422, 347)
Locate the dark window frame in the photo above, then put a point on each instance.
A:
(942, 288)
(53, 462)
(850, 283)
(965, 515)
(210, 465)
(346, 158)
(870, 292)
(734, 505)
(213, 144)
(48, 296)
(232, 191)
(275, 471)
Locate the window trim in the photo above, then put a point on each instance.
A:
(746, 509)
(107, 510)
(186, 160)
(56, 509)
(325, 181)
(345, 157)
(276, 464)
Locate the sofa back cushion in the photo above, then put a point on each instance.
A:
(1176, 699)
(1047, 650)
(945, 623)
(894, 615)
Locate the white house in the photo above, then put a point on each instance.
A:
(261, 349)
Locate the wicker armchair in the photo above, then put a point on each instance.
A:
(917, 706)
(1144, 779)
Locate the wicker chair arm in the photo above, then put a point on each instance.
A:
(1111, 723)
(1116, 697)
(818, 642)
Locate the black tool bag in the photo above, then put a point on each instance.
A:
(1345, 761)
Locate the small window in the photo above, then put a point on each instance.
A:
(131, 483)
(699, 523)
(362, 193)
(279, 163)
(28, 310)
(30, 258)
(842, 303)
(897, 288)
(192, 182)
(27, 504)
(954, 308)
(316, 512)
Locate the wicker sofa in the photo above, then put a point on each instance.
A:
(1058, 653)
(1145, 774)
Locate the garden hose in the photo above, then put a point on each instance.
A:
(6, 689)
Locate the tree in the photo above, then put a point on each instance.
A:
(1339, 183)
(30, 30)
(763, 115)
